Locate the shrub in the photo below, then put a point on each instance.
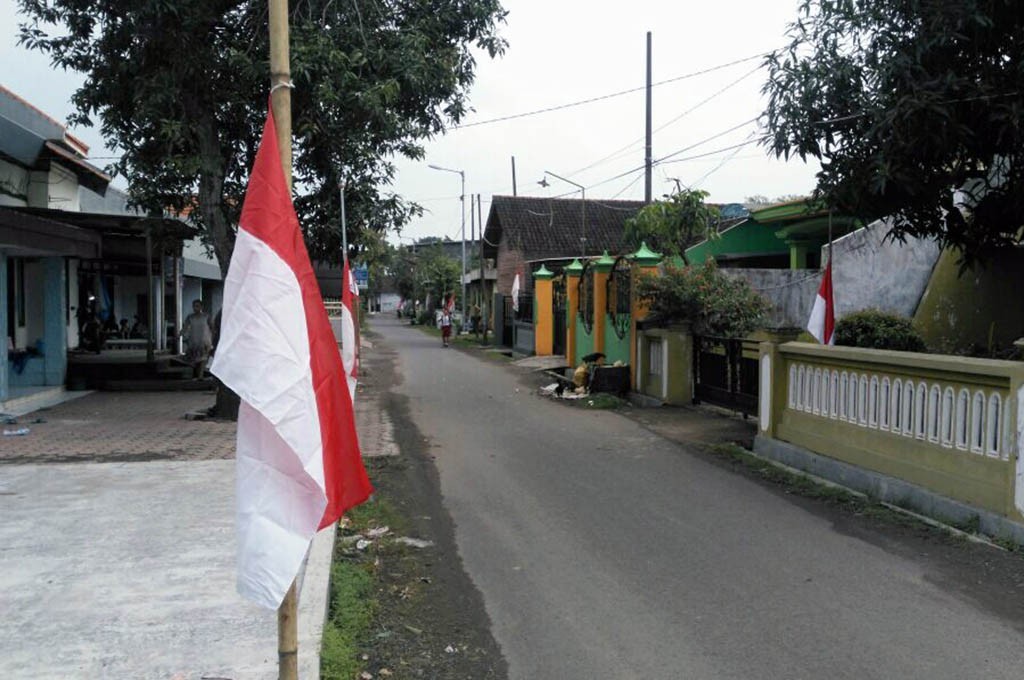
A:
(875, 329)
(714, 303)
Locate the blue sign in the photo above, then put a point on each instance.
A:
(361, 272)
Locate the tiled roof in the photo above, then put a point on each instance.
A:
(551, 227)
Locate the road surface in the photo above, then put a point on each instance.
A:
(604, 551)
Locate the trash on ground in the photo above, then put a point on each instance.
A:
(450, 649)
(21, 432)
(414, 542)
(362, 544)
(378, 532)
(549, 389)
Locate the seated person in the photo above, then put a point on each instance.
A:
(92, 336)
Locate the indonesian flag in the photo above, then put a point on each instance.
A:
(298, 464)
(515, 293)
(450, 305)
(350, 329)
(823, 314)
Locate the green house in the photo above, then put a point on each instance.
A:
(783, 236)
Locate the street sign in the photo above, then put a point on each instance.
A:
(362, 274)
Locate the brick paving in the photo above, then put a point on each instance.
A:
(120, 426)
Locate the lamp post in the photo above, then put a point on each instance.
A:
(462, 203)
(583, 194)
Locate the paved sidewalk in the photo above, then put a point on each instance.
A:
(120, 426)
(117, 546)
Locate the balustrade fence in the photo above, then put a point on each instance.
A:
(948, 424)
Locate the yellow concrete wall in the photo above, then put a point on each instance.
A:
(961, 311)
(810, 403)
(572, 305)
(544, 329)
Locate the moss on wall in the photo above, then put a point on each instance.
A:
(976, 311)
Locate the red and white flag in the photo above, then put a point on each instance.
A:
(298, 464)
(515, 293)
(450, 305)
(350, 329)
(823, 314)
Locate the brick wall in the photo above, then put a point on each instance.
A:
(509, 262)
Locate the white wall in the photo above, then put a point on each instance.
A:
(192, 289)
(869, 271)
(13, 185)
(128, 288)
(56, 188)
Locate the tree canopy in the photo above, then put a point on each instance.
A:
(671, 225)
(914, 109)
(181, 89)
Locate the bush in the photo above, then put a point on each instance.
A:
(875, 329)
(714, 303)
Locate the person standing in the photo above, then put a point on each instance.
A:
(446, 326)
(198, 335)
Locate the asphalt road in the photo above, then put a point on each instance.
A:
(604, 551)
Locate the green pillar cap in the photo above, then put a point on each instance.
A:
(604, 263)
(574, 268)
(543, 273)
(645, 257)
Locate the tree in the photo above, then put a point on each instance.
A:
(181, 89)
(714, 303)
(914, 109)
(670, 226)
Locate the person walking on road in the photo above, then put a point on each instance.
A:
(446, 327)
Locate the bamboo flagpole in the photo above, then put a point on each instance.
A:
(281, 104)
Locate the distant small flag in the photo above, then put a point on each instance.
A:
(823, 315)
(350, 329)
(449, 306)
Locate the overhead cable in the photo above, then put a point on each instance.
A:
(609, 96)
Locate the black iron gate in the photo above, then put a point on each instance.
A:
(725, 372)
(558, 303)
(507, 319)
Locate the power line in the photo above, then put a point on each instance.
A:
(611, 95)
(631, 145)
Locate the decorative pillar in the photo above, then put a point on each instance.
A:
(4, 367)
(645, 263)
(543, 312)
(55, 329)
(798, 251)
(602, 267)
(572, 308)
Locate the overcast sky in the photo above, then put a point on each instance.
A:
(560, 52)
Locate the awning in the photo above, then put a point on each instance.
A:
(25, 235)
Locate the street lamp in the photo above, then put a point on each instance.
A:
(462, 201)
(583, 193)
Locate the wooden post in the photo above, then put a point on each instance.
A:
(281, 103)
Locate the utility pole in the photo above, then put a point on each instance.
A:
(483, 279)
(513, 177)
(281, 103)
(648, 147)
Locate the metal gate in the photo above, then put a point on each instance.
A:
(507, 319)
(725, 372)
(558, 303)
